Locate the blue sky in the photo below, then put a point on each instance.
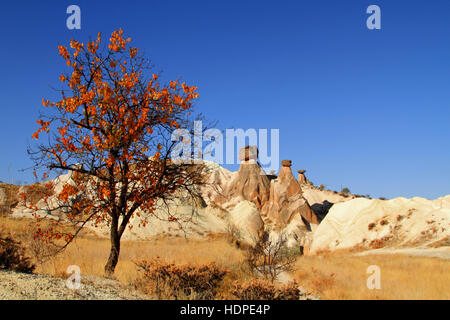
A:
(358, 108)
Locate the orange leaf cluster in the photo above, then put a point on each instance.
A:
(111, 111)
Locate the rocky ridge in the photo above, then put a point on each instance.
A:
(253, 203)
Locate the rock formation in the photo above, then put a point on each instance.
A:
(301, 177)
(286, 201)
(217, 179)
(226, 189)
(366, 224)
(321, 201)
(251, 203)
(250, 182)
(248, 153)
(245, 217)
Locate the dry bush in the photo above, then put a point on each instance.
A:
(37, 248)
(234, 235)
(33, 193)
(376, 244)
(289, 291)
(265, 290)
(40, 250)
(11, 193)
(270, 257)
(12, 255)
(188, 281)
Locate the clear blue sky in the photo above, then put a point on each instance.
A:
(368, 110)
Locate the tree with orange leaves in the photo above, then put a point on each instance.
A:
(111, 130)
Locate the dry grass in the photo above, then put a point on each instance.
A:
(343, 276)
(330, 276)
(90, 253)
(12, 198)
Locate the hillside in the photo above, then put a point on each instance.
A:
(249, 204)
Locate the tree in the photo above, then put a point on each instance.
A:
(112, 130)
(345, 190)
(270, 257)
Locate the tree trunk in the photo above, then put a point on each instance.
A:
(115, 249)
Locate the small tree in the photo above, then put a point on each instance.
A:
(345, 190)
(112, 130)
(270, 257)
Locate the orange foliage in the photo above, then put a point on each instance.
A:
(108, 119)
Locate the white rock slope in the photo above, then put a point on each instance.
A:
(377, 223)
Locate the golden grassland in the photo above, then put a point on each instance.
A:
(331, 276)
(90, 252)
(344, 276)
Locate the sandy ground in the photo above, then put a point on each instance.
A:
(21, 286)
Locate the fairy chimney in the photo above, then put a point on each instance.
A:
(248, 153)
(250, 182)
(286, 200)
(301, 177)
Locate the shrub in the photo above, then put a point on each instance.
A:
(322, 187)
(41, 250)
(345, 190)
(12, 256)
(35, 192)
(188, 281)
(234, 235)
(11, 198)
(265, 290)
(376, 244)
(270, 257)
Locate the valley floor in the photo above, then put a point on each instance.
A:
(402, 276)
(441, 252)
(341, 275)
